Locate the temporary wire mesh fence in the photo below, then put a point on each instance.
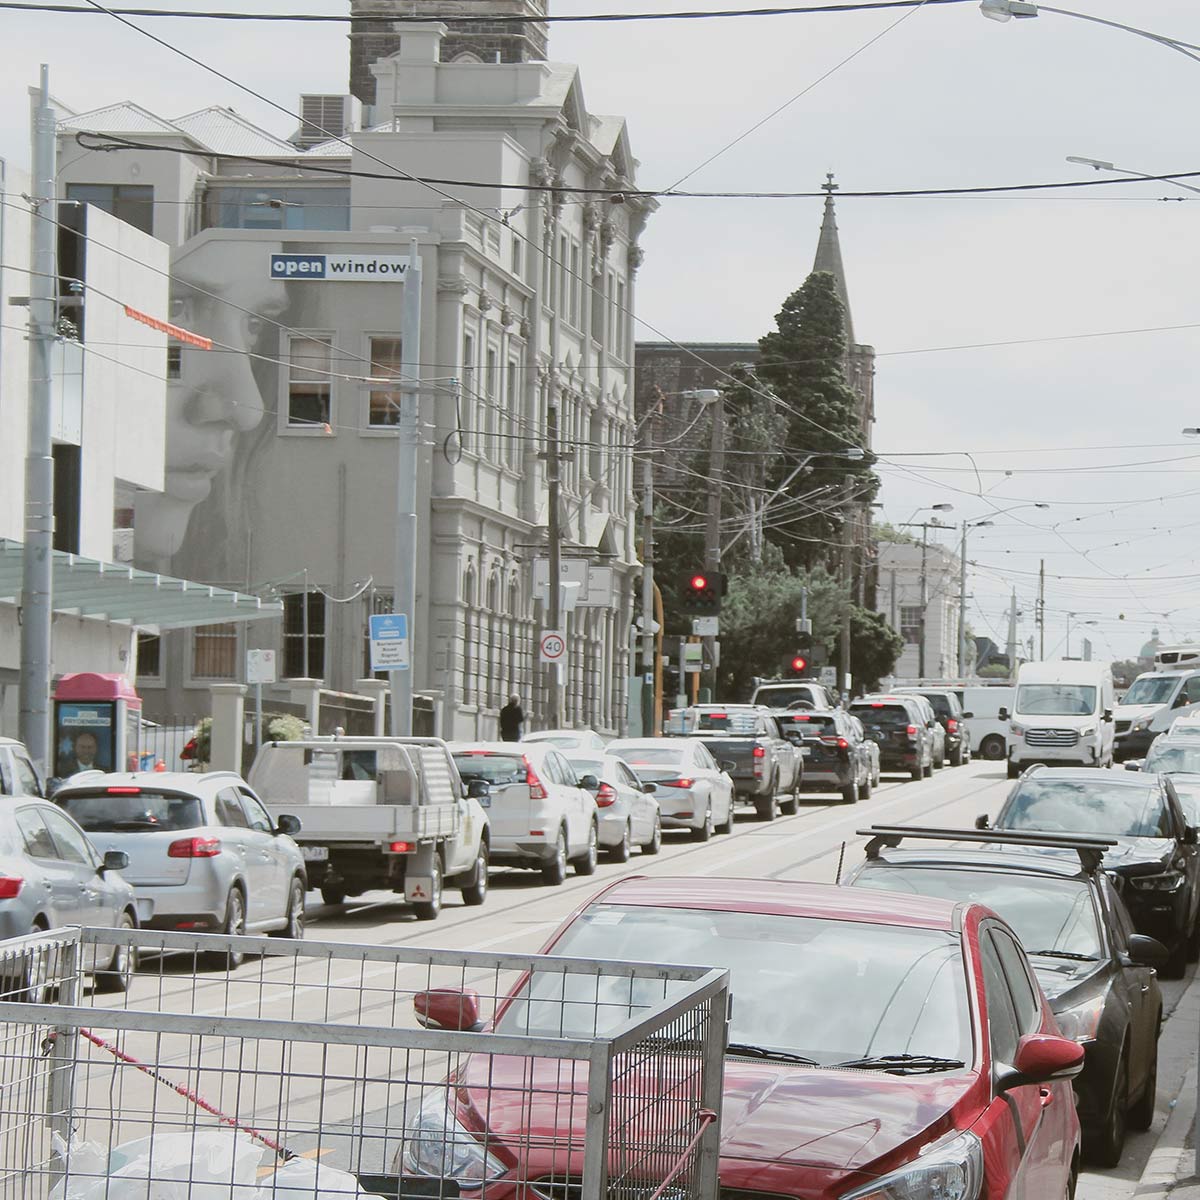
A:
(305, 1074)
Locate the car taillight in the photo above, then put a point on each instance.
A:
(911, 731)
(194, 848)
(10, 886)
(842, 744)
(682, 782)
(951, 725)
(759, 752)
(606, 795)
(537, 790)
(123, 791)
(402, 847)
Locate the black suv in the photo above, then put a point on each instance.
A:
(836, 759)
(948, 709)
(897, 724)
(1155, 862)
(1097, 973)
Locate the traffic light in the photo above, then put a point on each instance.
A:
(701, 593)
(799, 664)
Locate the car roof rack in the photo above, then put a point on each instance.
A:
(1090, 849)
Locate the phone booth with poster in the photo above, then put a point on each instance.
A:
(97, 719)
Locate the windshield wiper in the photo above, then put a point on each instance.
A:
(749, 1050)
(1062, 954)
(904, 1062)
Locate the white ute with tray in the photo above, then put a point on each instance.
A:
(388, 813)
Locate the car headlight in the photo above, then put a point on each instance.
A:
(1142, 725)
(951, 1169)
(1087, 731)
(1167, 881)
(1081, 1022)
(437, 1144)
(1016, 730)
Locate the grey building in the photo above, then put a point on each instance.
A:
(282, 458)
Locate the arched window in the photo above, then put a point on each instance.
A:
(468, 605)
(491, 655)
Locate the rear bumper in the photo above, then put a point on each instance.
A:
(894, 760)
(520, 852)
(826, 776)
(197, 904)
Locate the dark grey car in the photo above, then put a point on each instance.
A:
(51, 876)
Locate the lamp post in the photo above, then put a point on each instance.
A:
(1071, 617)
(1100, 164)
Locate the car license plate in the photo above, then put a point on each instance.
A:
(806, 752)
(315, 853)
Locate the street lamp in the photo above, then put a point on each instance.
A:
(1070, 617)
(962, 576)
(1100, 164)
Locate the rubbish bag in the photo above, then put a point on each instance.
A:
(204, 1164)
(304, 1179)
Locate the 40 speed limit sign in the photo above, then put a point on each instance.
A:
(552, 648)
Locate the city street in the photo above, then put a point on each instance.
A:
(521, 912)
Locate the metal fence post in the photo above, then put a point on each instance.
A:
(712, 1089)
(595, 1146)
(60, 1085)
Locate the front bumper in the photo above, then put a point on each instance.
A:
(1094, 1084)
(1132, 745)
(1160, 915)
(1082, 754)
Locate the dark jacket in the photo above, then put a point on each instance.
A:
(512, 723)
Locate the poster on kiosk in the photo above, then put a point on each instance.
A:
(96, 724)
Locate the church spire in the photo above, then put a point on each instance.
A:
(829, 254)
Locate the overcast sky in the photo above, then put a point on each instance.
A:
(1090, 425)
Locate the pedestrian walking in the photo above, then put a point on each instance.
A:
(512, 720)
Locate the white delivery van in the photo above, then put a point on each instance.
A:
(1062, 715)
(989, 734)
(1154, 700)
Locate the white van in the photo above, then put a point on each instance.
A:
(1062, 715)
(1172, 658)
(1154, 700)
(989, 734)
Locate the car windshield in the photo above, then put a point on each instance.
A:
(1047, 914)
(940, 703)
(1171, 758)
(1188, 791)
(564, 741)
(1154, 689)
(1072, 806)
(649, 756)
(491, 768)
(882, 716)
(811, 725)
(586, 766)
(781, 697)
(899, 990)
(133, 811)
(738, 721)
(1056, 700)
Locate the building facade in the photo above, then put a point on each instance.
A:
(282, 459)
(898, 597)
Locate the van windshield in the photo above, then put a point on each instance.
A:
(1056, 700)
(1151, 690)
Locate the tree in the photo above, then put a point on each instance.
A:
(874, 648)
(1126, 671)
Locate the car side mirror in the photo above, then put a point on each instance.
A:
(478, 789)
(114, 860)
(727, 764)
(1107, 714)
(967, 716)
(1003, 714)
(1134, 764)
(448, 1008)
(589, 783)
(1191, 836)
(981, 821)
(649, 788)
(287, 824)
(1042, 1058)
(1145, 951)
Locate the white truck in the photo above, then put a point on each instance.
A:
(388, 813)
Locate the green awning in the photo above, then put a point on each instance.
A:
(119, 593)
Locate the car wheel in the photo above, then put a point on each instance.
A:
(1141, 1114)
(878, 778)
(726, 826)
(864, 788)
(332, 893)
(654, 845)
(938, 763)
(928, 770)
(705, 832)
(1013, 770)
(585, 863)
(235, 926)
(555, 871)
(1176, 964)
(992, 748)
(764, 806)
(476, 891)
(791, 806)
(622, 851)
(117, 975)
(427, 910)
(956, 759)
(850, 793)
(1109, 1141)
(294, 928)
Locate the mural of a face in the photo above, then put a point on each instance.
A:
(216, 399)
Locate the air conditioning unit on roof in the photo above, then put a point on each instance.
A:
(325, 117)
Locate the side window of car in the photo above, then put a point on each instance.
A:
(258, 816)
(6, 783)
(38, 842)
(1002, 1023)
(1118, 916)
(704, 758)
(558, 770)
(229, 810)
(72, 845)
(1026, 999)
(25, 777)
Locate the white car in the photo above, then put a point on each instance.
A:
(692, 791)
(539, 815)
(629, 813)
(1187, 726)
(569, 739)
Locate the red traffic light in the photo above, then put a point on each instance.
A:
(698, 583)
(799, 663)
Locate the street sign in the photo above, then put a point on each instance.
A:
(260, 666)
(829, 676)
(706, 626)
(552, 648)
(693, 657)
(389, 642)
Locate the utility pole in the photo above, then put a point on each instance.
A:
(407, 428)
(648, 665)
(712, 532)
(38, 560)
(1041, 611)
(924, 601)
(962, 603)
(844, 681)
(1011, 647)
(554, 571)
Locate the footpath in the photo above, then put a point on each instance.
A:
(1171, 1168)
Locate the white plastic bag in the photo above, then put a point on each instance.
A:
(304, 1179)
(208, 1164)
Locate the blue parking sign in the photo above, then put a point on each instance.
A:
(389, 642)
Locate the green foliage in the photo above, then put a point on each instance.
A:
(882, 532)
(1125, 671)
(994, 671)
(282, 727)
(874, 648)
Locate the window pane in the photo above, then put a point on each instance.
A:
(149, 655)
(309, 383)
(214, 651)
(296, 663)
(385, 364)
(131, 203)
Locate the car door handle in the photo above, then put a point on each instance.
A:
(1145, 988)
(1047, 1095)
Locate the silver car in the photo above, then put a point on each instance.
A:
(693, 792)
(204, 854)
(50, 875)
(629, 813)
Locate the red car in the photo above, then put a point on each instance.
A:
(882, 1046)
